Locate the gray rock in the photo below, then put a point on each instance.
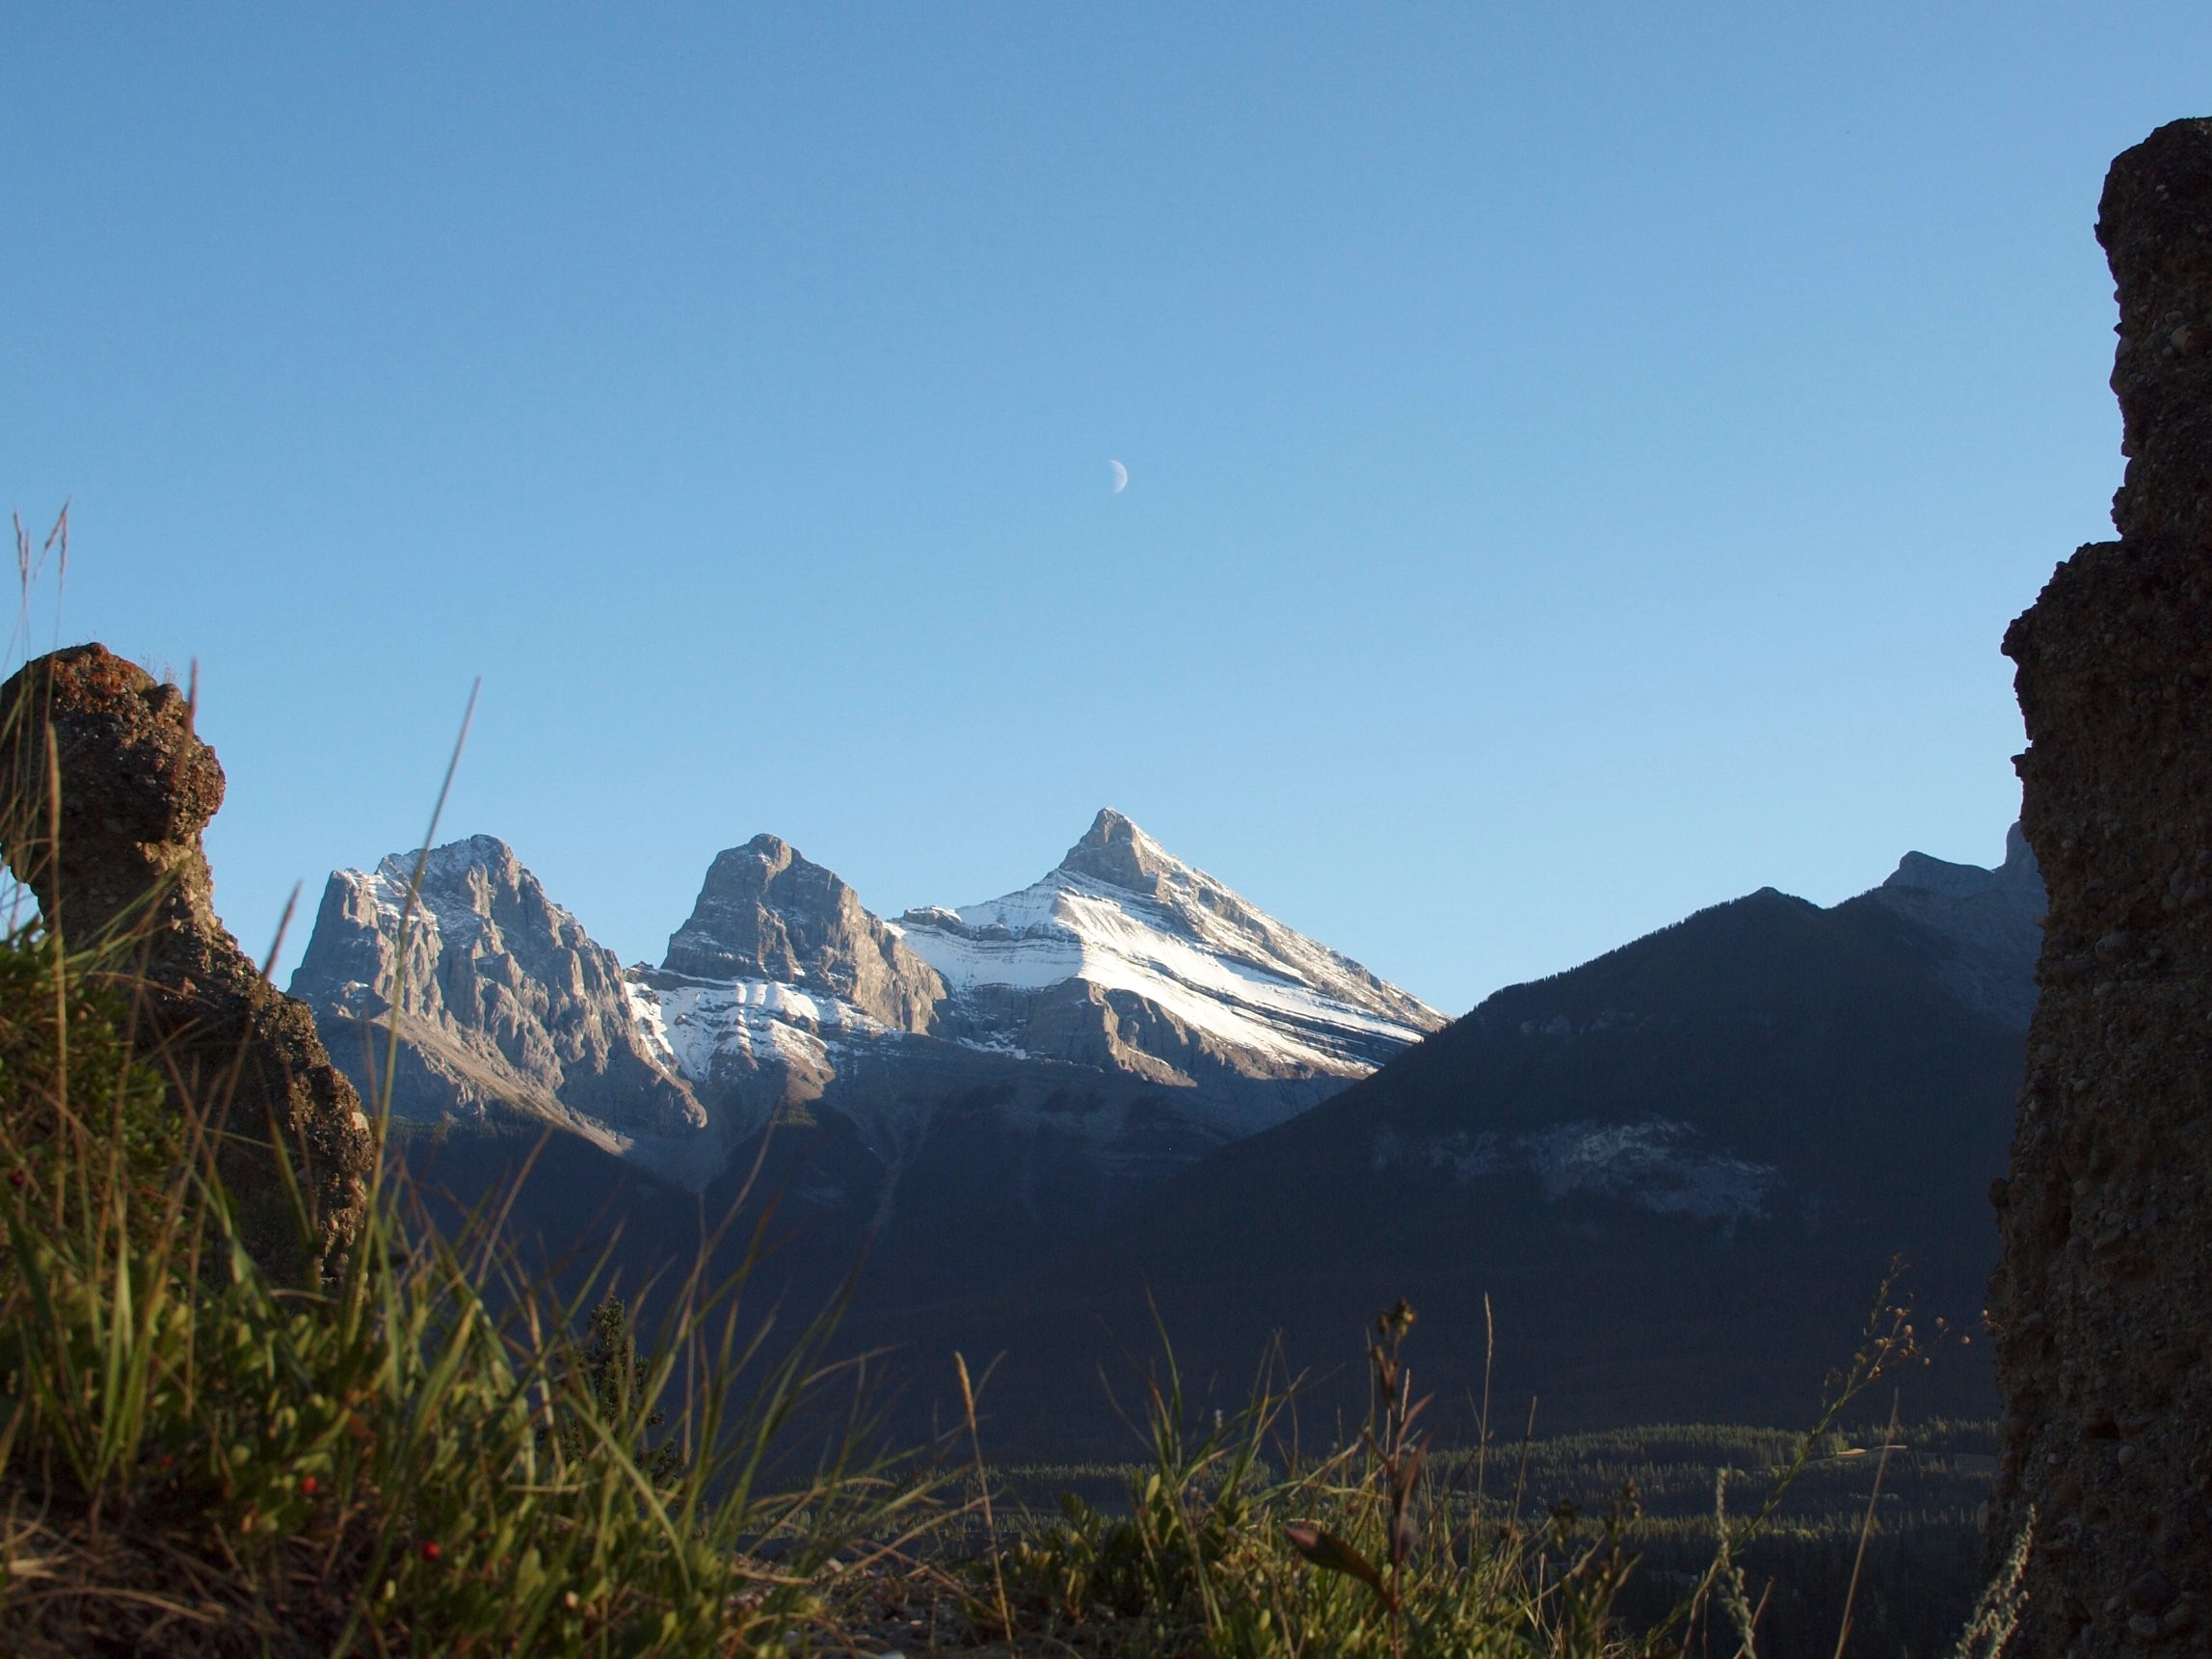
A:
(767, 913)
(1986, 924)
(502, 1004)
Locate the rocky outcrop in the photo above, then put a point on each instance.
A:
(2102, 1308)
(502, 1002)
(137, 787)
(766, 913)
(1987, 925)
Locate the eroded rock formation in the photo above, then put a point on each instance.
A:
(137, 787)
(2102, 1308)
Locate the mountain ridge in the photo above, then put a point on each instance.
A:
(1675, 1174)
(782, 995)
(1678, 1169)
(505, 1001)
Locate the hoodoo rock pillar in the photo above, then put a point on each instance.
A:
(2102, 1306)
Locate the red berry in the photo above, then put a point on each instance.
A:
(15, 1178)
(431, 1551)
(307, 1485)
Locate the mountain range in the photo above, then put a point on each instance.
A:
(1037, 1060)
(1670, 1181)
(1032, 1125)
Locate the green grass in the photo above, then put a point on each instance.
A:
(418, 1457)
(1227, 1539)
(1924, 1558)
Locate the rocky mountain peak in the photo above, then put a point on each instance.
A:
(1116, 851)
(1984, 924)
(485, 855)
(2017, 880)
(463, 882)
(767, 912)
(501, 1001)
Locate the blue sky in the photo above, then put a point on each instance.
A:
(1583, 458)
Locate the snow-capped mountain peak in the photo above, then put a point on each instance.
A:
(1116, 851)
(1123, 973)
(1133, 924)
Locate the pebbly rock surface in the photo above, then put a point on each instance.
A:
(503, 1005)
(2102, 1306)
(137, 788)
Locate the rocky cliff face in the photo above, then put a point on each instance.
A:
(767, 914)
(1986, 924)
(503, 1004)
(137, 787)
(2102, 1307)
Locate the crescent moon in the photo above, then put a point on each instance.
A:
(1120, 476)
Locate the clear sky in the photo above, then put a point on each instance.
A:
(1582, 459)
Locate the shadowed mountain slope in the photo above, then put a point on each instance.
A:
(1679, 1172)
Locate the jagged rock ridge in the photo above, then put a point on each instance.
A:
(1124, 973)
(502, 1002)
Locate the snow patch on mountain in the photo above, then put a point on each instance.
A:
(1654, 1164)
(689, 1022)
